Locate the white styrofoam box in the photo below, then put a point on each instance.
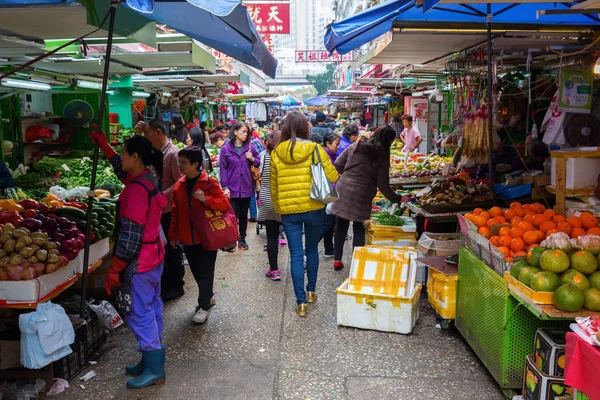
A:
(377, 312)
(384, 270)
(392, 242)
(35, 289)
(98, 250)
(410, 226)
(582, 173)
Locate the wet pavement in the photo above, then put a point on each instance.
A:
(253, 346)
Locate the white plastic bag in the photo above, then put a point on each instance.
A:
(59, 192)
(107, 313)
(79, 191)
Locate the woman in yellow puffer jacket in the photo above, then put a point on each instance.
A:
(290, 190)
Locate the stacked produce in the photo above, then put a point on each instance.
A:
(457, 192)
(418, 165)
(567, 267)
(524, 226)
(103, 217)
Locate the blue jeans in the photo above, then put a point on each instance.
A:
(292, 225)
(253, 209)
(146, 318)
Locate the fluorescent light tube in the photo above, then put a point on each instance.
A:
(89, 85)
(140, 94)
(17, 83)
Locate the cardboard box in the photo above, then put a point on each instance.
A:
(539, 184)
(549, 352)
(439, 244)
(539, 386)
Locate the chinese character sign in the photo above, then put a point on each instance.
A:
(322, 56)
(270, 18)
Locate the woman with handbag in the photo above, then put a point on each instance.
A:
(235, 161)
(196, 198)
(291, 184)
(266, 211)
(364, 167)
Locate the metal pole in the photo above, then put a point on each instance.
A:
(88, 227)
(490, 97)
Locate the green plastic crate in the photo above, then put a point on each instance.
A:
(499, 330)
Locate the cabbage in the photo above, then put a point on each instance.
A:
(590, 243)
(558, 240)
(7, 146)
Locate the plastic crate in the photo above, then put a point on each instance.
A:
(513, 192)
(88, 340)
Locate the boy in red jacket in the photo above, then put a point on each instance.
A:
(196, 190)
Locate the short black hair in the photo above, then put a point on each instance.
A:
(194, 154)
(226, 126)
(156, 124)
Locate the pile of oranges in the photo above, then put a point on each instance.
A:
(529, 224)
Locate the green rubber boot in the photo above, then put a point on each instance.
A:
(154, 371)
(136, 369)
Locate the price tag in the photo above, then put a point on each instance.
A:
(86, 159)
(64, 166)
(446, 169)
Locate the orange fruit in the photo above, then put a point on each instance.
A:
(505, 241)
(589, 222)
(502, 219)
(520, 254)
(495, 240)
(531, 246)
(479, 221)
(564, 227)
(526, 207)
(537, 208)
(546, 226)
(576, 232)
(549, 214)
(469, 216)
(486, 215)
(538, 219)
(515, 221)
(530, 237)
(519, 211)
(492, 221)
(484, 231)
(478, 211)
(515, 204)
(517, 232)
(575, 221)
(558, 218)
(526, 226)
(496, 211)
(505, 231)
(529, 217)
(541, 235)
(504, 250)
(594, 231)
(551, 232)
(585, 215)
(509, 214)
(517, 244)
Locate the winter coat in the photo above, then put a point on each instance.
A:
(266, 211)
(291, 178)
(181, 223)
(344, 144)
(234, 170)
(359, 180)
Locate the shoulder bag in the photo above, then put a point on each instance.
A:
(321, 189)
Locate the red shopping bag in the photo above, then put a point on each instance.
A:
(216, 229)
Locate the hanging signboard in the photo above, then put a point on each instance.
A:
(322, 56)
(575, 92)
(273, 18)
(269, 42)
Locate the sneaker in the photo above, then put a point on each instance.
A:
(230, 249)
(282, 242)
(200, 317)
(328, 255)
(243, 245)
(338, 265)
(273, 275)
(212, 303)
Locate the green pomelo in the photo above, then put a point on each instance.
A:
(592, 299)
(554, 260)
(545, 281)
(576, 278)
(584, 262)
(594, 280)
(568, 298)
(516, 268)
(534, 255)
(527, 273)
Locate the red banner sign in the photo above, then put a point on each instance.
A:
(273, 18)
(316, 56)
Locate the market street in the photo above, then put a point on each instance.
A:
(254, 346)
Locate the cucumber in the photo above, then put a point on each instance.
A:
(95, 222)
(104, 221)
(110, 227)
(70, 213)
(81, 224)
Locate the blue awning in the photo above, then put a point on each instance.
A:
(318, 101)
(351, 33)
(232, 33)
(220, 8)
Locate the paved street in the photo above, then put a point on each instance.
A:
(255, 347)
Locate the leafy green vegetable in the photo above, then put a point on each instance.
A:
(388, 219)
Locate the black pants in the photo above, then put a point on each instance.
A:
(327, 233)
(272, 243)
(202, 265)
(240, 207)
(174, 271)
(341, 230)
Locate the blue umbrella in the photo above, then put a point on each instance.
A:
(290, 101)
(318, 101)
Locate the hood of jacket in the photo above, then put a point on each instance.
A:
(302, 150)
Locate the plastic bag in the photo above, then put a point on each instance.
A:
(590, 243)
(59, 192)
(558, 240)
(79, 191)
(590, 325)
(107, 313)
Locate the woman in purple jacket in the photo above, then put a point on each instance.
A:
(237, 155)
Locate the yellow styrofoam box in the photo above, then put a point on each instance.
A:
(384, 270)
(441, 291)
(405, 240)
(376, 311)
